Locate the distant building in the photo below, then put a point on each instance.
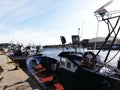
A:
(98, 42)
(84, 43)
(5, 45)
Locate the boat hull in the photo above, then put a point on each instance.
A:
(45, 71)
(84, 79)
(93, 80)
(20, 60)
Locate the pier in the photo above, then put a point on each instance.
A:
(15, 79)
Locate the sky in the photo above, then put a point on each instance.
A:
(44, 21)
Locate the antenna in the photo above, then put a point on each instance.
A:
(101, 10)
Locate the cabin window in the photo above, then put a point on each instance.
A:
(62, 61)
(68, 65)
(74, 65)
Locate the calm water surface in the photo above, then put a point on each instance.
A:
(53, 52)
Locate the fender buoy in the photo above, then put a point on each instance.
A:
(89, 59)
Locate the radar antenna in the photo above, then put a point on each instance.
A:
(101, 11)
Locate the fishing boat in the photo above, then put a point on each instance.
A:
(19, 53)
(90, 72)
(79, 70)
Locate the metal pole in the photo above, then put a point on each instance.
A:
(96, 36)
(78, 31)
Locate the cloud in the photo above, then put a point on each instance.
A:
(35, 20)
(7, 6)
(46, 20)
(17, 11)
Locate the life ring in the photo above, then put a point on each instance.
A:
(89, 59)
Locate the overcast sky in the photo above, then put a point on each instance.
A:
(44, 21)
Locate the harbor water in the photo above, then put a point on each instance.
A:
(53, 52)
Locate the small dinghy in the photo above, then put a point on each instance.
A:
(45, 70)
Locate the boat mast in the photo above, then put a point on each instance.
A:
(96, 37)
(78, 31)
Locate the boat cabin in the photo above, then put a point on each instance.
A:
(70, 60)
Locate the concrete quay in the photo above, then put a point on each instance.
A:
(11, 79)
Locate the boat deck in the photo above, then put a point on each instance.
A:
(15, 79)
